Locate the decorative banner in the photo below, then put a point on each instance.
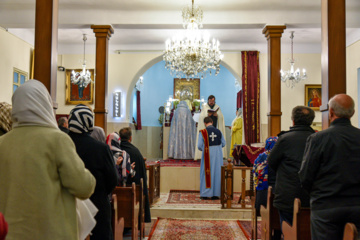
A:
(251, 96)
(206, 158)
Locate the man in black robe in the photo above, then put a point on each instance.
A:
(138, 159)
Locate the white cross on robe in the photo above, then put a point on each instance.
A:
(212, 136)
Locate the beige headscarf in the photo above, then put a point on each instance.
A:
(238, 115)
(32, 106)
(5, 116)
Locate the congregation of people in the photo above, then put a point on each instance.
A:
(45, 173)
(44, 183)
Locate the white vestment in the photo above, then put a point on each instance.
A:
(201, 125)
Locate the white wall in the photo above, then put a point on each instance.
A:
(14, 53)
(352, 64)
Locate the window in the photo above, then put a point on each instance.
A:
(19, 78)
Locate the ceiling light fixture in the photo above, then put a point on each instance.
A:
(192, 55)
(291, 77)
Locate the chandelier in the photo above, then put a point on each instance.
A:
(291, 77)
(192, 54)
(83, 78)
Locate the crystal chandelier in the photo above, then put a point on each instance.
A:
(83, 78)
(192, 55)
(291, 77)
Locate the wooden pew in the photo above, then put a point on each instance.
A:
(254, 216)
(154, 182)
(300, 228)
(270, 219)
(141, 199)
(128, 208)
(350, 232)
(117, 223)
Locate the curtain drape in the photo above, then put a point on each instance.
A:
(239, 98)
(251, 96)
(138, 111)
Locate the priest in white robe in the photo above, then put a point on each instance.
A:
(182, 133)
(211, 142)
(211, 109)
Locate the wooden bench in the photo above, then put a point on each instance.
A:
(141, 199)
(117, 223)
(154, 182)
(128, 208)
(270, 219)
(254, 218)
(300, 228)
(350, 232)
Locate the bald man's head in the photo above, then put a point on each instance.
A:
(341, 106)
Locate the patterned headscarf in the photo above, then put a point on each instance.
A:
(113, 140)
(81, 119)
(98, 134)
(5, 116)
(270, 143)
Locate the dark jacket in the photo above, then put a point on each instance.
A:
(98, 159)
(65, 130)
(285, 159)
(330, 168)
(135, 156)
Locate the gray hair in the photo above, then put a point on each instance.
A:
(61, 121)
(340, 110)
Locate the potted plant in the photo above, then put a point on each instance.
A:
(196, 104)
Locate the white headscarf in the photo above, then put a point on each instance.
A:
(238, 115)
(32, 106)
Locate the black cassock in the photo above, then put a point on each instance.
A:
(135, 156)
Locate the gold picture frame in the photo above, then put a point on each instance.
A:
(313, 96)
(192, 86)
(72, 93)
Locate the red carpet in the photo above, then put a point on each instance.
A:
(177, 163)
(175, 229)
(246, 228)
(193, 197)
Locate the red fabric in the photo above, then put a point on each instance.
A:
(206, 158)
(246, 154)
(3, 227)
(239, 99)
(138, 112)
(251, 96)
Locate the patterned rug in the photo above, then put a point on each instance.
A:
(179, 163)
(193, 197)
(175, 229)
(246, 228)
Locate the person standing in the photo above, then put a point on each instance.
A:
(63, 124)
(41, 174)
(236, 130)
(211, 142)
(98, 159)
(140, 169)
(285, 159)
(182, 134)
(212, 110)
(330, 172)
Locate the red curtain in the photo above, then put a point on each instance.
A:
(138, 111)
(239, 98)
(251, 96)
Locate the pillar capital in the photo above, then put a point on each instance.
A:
(102, 30)
(273, 31)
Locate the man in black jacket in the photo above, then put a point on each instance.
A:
(330, 172)
(138, 159)
(285, 159)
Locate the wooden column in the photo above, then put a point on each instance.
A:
(273, 35)
(333, 53)
(45, 60)
(102, 34)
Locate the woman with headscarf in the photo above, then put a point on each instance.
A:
(98, 159)
(40, 171)
(5, 118)
(263, 175)
(121, 159)
(98, 133)
(236, 130)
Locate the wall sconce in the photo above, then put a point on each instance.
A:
(116, 104)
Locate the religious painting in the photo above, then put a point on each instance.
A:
(186, 89)
(313, 96)
(79, 90)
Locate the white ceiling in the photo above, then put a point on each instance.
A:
(144, 25)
